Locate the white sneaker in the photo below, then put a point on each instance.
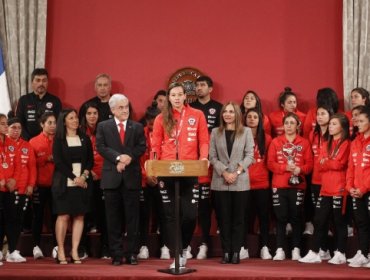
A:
(308, 229)
(338, 258)
(350, 231)
(279, 255)
(83, 256)
(37, 253)
(243, 254)
(359, 261)
(187, 252)
(202, 254)
(265, 254)
(15, 257)
(324, 255)
(311, 257)
(143, 253)
(288, 228)
(296, 254)
(54, 252)
(182, 262)
(165, 253)
(358, 254)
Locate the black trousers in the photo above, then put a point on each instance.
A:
(328, 207)
(40, 199)
(189, 194)
(312, 195)
(231, 210)
(205, 212)
(119, 202)
(361, 212)
(13, 205)
(288, 207)
(150, 210)
(259, 207)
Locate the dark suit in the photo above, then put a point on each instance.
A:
(121, 190)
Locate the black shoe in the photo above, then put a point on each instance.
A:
(235, 259)
(226, 258)
(131, 259)
(117, 261)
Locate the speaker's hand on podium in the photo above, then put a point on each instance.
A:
(208, 163)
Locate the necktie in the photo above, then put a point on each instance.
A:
(121, 132)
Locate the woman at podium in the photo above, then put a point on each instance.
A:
(231, 152)
(179, 133)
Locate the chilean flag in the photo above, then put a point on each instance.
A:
(4, 93)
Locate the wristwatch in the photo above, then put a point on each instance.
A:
(238, 172)
(118, 159)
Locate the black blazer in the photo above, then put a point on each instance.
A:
(108, 144)
(63, 162)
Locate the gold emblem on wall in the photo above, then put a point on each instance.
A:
(187, 76)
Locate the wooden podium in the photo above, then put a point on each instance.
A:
(177, 168)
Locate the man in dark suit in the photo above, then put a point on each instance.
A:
(121, 142)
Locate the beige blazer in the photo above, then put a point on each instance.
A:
(241, 154)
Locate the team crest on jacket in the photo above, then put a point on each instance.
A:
(212, 111)
(367, 148)
(11, 148)
(191, 121)
(25, 151)
(49, 105)
(299, 148)
(161, 184)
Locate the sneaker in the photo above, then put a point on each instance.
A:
(350, 231)
(358, 254)
(244, 254)
(339, 258)
(54, 252)
(202, 254)
(37, 253)
(296, 254)
(311, 257)
(360, 261)
(265, 254)
(308, 229)
(182, 262)
(279, 255)
(93, 230)
(165, 253)
(83, 255)
(143, 253)
(187, 252)
(15, 257)
(288, 229)
(324, 255)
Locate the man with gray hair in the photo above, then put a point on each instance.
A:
(121, 142)
(103, 87)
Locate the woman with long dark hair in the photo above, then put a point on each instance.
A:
(259, 179)
(333, 161)
(251, 100)
(73, 157)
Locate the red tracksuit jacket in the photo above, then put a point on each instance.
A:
(10, 162)
(277, 162)
(192, 136)
(28, 174)
(43, 148)
(276, 120)
(333, 170)
(258, 172)
(316, 148)
(358, 172)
